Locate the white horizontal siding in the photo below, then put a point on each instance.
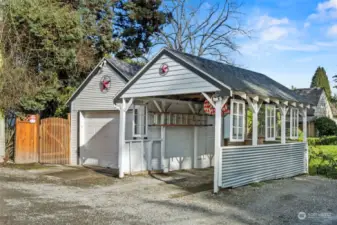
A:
(91, 97)
(179, 80)
(244, 165)
(73, 137)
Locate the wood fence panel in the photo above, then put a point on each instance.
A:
(27, 140)
(54, 141)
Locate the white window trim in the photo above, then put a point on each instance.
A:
(273, 107)
(239, 102)
(294, 136)
(140, 120)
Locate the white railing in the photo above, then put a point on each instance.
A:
(138, 155)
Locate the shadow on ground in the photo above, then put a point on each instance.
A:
(190, 181)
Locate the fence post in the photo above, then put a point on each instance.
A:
(37, 137)
(2, 137)
(69, 135)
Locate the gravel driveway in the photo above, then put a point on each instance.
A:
(179, 198)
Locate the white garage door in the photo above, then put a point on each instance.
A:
(100, 146)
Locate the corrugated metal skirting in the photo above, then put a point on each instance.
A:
(248, 164)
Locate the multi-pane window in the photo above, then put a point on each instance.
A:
(139, 121)
(270, 122)
(237, 120)
(294, 116)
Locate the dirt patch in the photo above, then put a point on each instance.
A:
(29, 166)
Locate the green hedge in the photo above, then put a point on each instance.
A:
(328, 140)
(323, 160)
(326, 126)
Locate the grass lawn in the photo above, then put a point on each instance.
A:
(323, 160)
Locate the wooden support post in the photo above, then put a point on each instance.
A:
(163, 141)
(283, 110)
(122, 119)
(255, 128)
(255, 107)
(305, 124)
(162, 148)
(217, 144)
(195, 149)
(218, 138)
(305, 133)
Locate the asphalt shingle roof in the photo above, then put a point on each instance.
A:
(128, 70)
(239, 79)
(311, 94)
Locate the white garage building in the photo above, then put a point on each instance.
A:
(157, 118)
(95, 127)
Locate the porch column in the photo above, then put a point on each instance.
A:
(305, 124)
(122, 118)
(195, 148)
(163, 165)
(305, 133)
(218, 137)
(283, 110)
(217, 143)
(255, 106)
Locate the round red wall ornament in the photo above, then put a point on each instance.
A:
(164, 69)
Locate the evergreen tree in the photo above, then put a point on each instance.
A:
(135, 23)
(96, 20)
(320, 79)
(58, 43)
(39, 49)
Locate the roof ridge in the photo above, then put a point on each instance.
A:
(219, 62)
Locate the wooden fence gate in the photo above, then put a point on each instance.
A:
(54, 141)
(27, 140)
(45, 141)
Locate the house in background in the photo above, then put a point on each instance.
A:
(324, 108)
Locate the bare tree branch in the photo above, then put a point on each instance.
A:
(211, 35)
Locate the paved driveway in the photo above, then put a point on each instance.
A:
(178, 198)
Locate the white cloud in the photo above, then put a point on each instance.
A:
(326, 43)
(274, 33)
(332, 31)
(306, 25)
(267, 21)
(269, 28)
(304, 59)
(297, 47)
(327, 5)
(325, 11)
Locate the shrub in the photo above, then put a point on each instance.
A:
(328, 140)
(323, 161)
(326, 126)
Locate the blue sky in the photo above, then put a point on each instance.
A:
(289, 39)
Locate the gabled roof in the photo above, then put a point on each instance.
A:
(125, 70)
(234, 78)
(333, 107)
(311, 94)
